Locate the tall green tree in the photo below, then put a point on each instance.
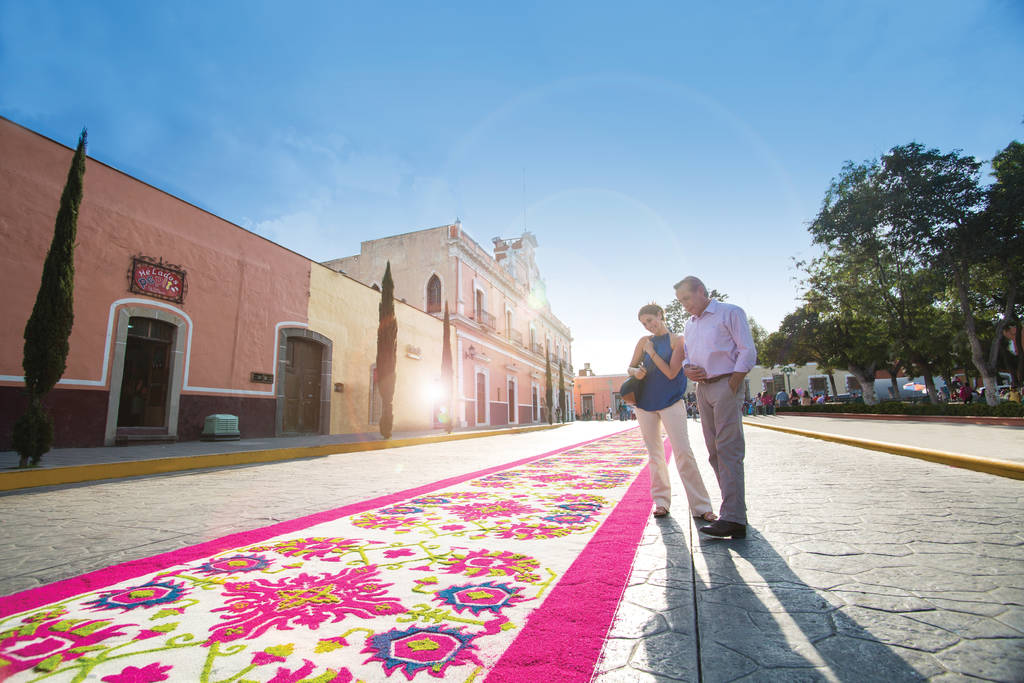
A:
(447, 373)
(1005, 211)
(562, 408)
(841, 321)
(548, 389)
(862, 222)
(49, 327)
(387, 352)
(935, 204)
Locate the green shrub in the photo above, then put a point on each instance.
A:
(33, 434)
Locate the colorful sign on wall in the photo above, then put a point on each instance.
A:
(159, 280)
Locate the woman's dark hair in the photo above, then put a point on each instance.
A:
(651, 309)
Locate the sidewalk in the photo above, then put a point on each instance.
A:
(983, 441)
(857, 566)
(73, 465)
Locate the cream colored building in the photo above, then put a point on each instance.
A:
(503, 326)
(801, 377)
(346, 312)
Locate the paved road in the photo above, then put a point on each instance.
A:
(986, 441)
(53, 533)
(859, 565)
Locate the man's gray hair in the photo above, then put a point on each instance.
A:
(691, 283)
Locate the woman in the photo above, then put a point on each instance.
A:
(661, 403)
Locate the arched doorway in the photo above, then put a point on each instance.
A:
(304, 381)
(145, 381)
(302, 386)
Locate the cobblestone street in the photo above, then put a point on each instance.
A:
(858, 565)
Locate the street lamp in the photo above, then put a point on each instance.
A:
(787, 370)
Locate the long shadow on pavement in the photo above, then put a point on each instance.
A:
(757, 618)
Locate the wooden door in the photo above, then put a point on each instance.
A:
(146, 374)
(481, 399)
(302, 387)
(512, 402)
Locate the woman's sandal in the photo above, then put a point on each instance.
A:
(706, 517)
(660, 511)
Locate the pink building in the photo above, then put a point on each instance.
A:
(180, 314)
(595, 395)
(503, 324)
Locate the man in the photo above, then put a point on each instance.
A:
(782, 398)
(719, 352)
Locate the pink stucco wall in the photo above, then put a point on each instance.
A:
(238, 284)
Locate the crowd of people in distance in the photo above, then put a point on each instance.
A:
(764, 403)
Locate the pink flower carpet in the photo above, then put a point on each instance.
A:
(508, 574)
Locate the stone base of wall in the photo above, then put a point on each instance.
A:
(256, 416)
(79, 415)
(499, 414)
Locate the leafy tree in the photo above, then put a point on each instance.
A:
(841, 321)
(49, 327)
(973, 236)
(548, 389)
(387, 352)
(447, 373)
(1005, 210)
(760, 336)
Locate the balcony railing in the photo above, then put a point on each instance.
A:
(537, 348)
(485, 319)
(516, 336)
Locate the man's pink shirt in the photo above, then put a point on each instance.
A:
(719, 340)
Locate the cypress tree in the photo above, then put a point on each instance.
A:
(446, 371)
(548, 389)
(387, 352)
(561, 394)
(49, 326)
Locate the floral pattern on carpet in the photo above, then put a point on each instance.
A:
(436, 586)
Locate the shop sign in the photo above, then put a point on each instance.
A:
(157, 279)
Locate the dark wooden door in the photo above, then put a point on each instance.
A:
(511, 402)
(481, 399)
(146, 374)
(302, 387)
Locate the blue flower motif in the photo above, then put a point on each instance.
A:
(581, 507)
(430, 500)
(235, 564)
(434, 648)
(477, 597)
(400, 510)
(146, 595)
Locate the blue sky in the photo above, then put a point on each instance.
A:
(656, 140)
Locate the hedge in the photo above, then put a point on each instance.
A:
(976, 409)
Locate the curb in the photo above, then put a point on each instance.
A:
(75, 474)
(1001, 468)
(949, 419)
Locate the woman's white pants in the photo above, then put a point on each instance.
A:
(673, 419)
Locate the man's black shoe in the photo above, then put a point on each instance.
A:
(724, 529)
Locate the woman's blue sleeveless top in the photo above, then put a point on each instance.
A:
(659, 391)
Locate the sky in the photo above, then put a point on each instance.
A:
(640, 142)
